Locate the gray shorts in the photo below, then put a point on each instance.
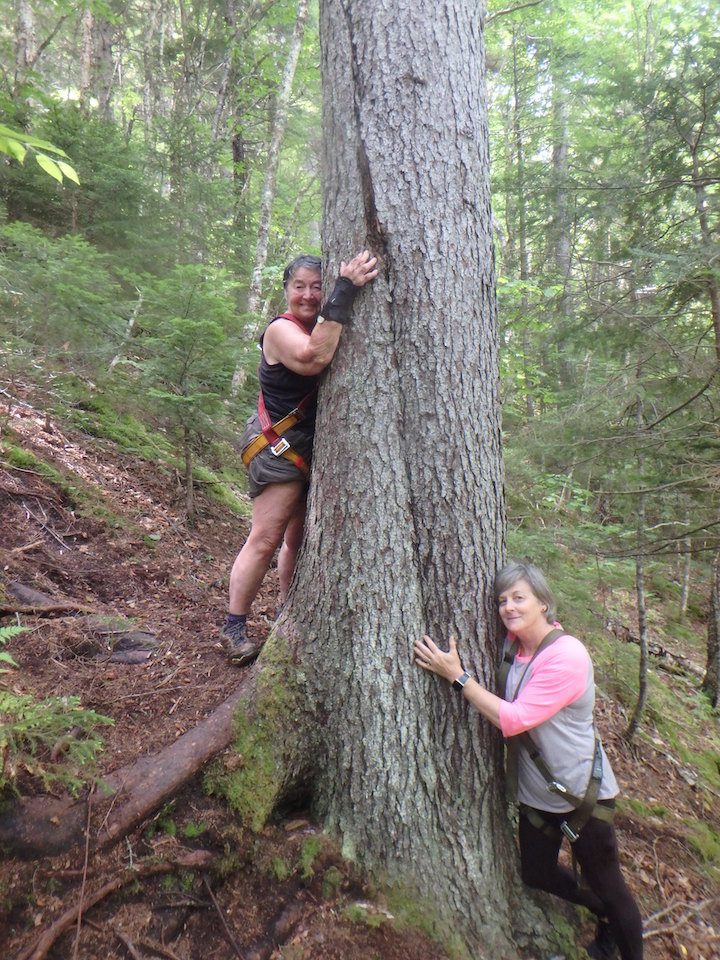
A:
(265, 468)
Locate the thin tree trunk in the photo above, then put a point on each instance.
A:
(708, 243)
(103, 66)
(188, 458)
(640, 588)
(522, 232)
(25, 40)
(686, 566)
(279, 122)
(129, 332)
(711, 682)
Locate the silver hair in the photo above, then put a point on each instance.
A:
(305, 260)
(516, 570)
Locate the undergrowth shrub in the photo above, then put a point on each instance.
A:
(30, 728)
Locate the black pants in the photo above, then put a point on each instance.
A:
(597, 853)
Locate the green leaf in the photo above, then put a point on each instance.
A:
(49, 166)
(30, 141)
(69, 171)
(13, 148)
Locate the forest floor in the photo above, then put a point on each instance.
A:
(282, 893)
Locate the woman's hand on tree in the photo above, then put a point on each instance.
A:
(429, 656)
(361, 269)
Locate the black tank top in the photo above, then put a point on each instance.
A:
(283, 389)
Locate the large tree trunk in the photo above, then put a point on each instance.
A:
(405, 522)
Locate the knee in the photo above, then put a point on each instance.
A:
(264, 541)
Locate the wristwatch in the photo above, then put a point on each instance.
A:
(461, 680)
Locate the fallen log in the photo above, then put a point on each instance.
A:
(664, 659)
(10, 610)
(35, 603)
(46, 826)
(187, 860)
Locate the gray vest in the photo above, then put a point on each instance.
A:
(566, 742)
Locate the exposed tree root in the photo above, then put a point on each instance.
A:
(8, 610)
(188, 860)
(281, 929)
(46, 826)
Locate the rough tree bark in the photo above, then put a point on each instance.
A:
(405, 522)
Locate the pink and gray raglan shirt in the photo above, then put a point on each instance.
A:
(555, 704)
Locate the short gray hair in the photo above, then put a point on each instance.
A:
(523, 570)
(307, 260)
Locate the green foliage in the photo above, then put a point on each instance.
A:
(59, 296)
(705, 840)
(644, 810)
(16, 144)
(410, 910)
(30, 728)
(85, 498)
(6, 633)
(359, 913)
(279, 868)
(187, 364)
(263, 741)
(193, 830)
(308, 854)
(332, 882)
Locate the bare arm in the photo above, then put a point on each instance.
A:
(308, 355)
(448, 666)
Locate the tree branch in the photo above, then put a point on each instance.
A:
(48, 40)
(501, 13)
(649, 426)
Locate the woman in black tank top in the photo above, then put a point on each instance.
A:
(296, 348)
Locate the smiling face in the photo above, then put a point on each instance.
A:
(303, 293)
(522, 612)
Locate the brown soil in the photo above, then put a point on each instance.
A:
(266, 895)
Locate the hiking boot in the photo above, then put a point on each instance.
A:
(603, 946)
(239, 648)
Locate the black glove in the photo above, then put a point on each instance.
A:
(338, 305)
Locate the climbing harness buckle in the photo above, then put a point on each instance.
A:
(279, 448)
(556, 787)
(571, 834)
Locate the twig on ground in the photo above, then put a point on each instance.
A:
(228, 931)
(159, 950)
(128, 944)
(188, 860)
(83, 885)
(26, 548)
(693, 910)
(45, 526)
(29, 493)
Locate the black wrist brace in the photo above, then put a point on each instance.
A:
(338, 305)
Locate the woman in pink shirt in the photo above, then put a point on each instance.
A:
(549, 694)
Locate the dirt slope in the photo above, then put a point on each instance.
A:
(285, 893)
